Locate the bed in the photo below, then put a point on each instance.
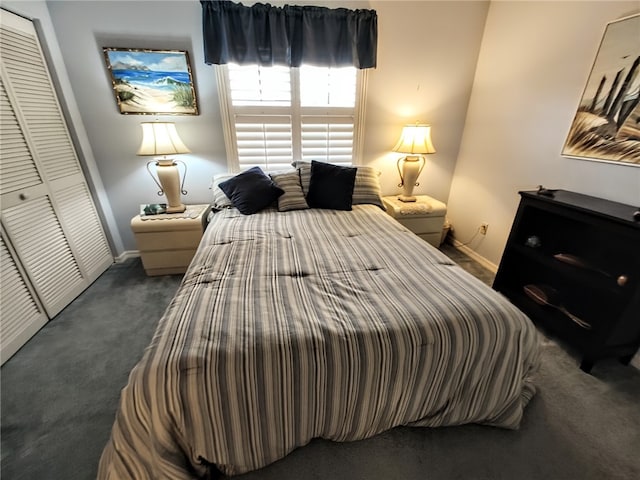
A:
(293, 325)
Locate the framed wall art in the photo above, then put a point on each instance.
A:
(151, 82)
(606, 126)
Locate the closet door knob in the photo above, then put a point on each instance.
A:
(22, 196)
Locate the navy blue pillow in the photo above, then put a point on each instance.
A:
(251, 190)
(331, 186)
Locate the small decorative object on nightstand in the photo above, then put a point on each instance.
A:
(424, 217)
(167, 242)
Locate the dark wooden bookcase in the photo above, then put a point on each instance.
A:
(570, 254)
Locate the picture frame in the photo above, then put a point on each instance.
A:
(151, 82)
(606, 126)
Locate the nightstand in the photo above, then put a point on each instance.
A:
(424, 217)
(167, 242)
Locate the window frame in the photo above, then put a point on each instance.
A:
(227, 111)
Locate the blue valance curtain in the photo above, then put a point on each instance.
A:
(291, 35)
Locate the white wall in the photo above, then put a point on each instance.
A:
(533, 65)
(426, 62)
(83, 29)
(427, 54)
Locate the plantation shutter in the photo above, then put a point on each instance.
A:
(275, 115)
(330, 93)
(327, 139)
(262, 87)
(265, 141)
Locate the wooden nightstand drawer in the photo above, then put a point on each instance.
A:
(165, 259)
(424, 217)
(423, 224)
(168, 240)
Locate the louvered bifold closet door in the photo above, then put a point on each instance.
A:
(22, 315)
(17, 170)
(42, 247)
(73, 204)
(47, 210)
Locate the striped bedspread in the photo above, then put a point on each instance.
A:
(315, 323)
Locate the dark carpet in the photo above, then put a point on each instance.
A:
(60, 392)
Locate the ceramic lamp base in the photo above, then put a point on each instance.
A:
(169, 178)
(176, 209)
(412, 165)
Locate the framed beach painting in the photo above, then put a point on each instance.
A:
(606, 126)
(152, 82)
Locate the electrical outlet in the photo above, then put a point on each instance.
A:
(483, 228)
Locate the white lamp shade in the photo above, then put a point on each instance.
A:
(415, 139)
(161, 138)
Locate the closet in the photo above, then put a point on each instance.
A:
(52, 243)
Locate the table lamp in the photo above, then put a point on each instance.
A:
(162, 139)
(416, 141)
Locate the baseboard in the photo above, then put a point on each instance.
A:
(126, 255)
(492, 267)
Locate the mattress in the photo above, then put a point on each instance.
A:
(290, 326)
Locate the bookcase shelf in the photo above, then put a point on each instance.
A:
(572, 258)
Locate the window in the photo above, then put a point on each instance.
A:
(275, 115)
